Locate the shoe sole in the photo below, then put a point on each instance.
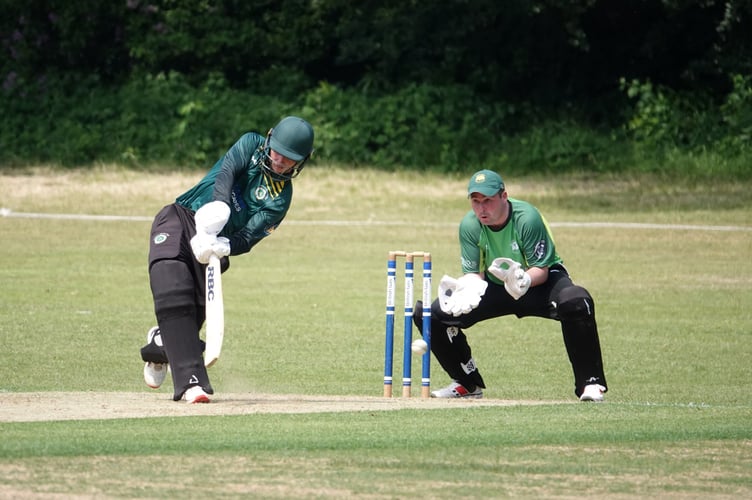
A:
(468, 396)
(199, 397)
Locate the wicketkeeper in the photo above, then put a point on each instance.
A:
(510, 266)
(241, 200)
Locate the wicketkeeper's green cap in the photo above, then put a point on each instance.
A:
(485, 182)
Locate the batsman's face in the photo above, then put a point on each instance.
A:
(490, 210)
(280, 164)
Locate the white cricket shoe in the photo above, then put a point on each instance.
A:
(155, 373)
(457, 390)
(196, 394)
(593, 392)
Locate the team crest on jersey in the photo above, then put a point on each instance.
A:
(161, 238)
(261, 193)
(515, 247)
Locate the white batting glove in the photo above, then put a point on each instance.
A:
(202, 245)
(212, 217)
(516, 280)
(222, 247)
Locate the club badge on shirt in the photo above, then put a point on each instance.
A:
(161, 238)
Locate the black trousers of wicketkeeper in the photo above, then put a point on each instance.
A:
(558, 299)
(178, 284)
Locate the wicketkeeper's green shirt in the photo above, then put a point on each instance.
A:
(525, 237)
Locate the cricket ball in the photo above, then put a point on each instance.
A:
(419, 346)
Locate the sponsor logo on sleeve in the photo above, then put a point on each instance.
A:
(540, 249)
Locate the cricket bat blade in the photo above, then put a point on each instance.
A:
(215, 312)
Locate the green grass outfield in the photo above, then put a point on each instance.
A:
(669, 264)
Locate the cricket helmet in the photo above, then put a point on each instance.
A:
(292, 137)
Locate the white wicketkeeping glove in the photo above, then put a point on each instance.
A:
(222, 247)
(202, 245)
(462, 295)
(516, 280)
(447, 286)
(212, 217)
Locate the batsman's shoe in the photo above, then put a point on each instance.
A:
(593, 392)
(457, 390)
(195, 394)
(154, 373)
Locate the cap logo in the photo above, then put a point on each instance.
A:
(480, 178)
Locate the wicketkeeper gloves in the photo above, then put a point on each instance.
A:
(462, 295)
(516, 280)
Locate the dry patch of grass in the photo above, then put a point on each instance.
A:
(717, 469)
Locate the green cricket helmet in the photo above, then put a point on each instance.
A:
(292, 137)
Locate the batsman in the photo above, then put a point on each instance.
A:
(241, 200)
(510, 266)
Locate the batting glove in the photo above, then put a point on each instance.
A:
(222, 247)
(202, 245)
(212, 217)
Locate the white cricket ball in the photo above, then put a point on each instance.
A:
(419, 346)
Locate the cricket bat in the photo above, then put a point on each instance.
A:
(215, 312)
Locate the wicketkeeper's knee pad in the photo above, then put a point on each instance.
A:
(575, 303)
(173, 289)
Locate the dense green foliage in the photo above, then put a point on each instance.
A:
(543, 85)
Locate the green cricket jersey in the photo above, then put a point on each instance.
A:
(525, 237)
(257, 203)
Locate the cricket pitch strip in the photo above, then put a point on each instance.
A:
(50, 406)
